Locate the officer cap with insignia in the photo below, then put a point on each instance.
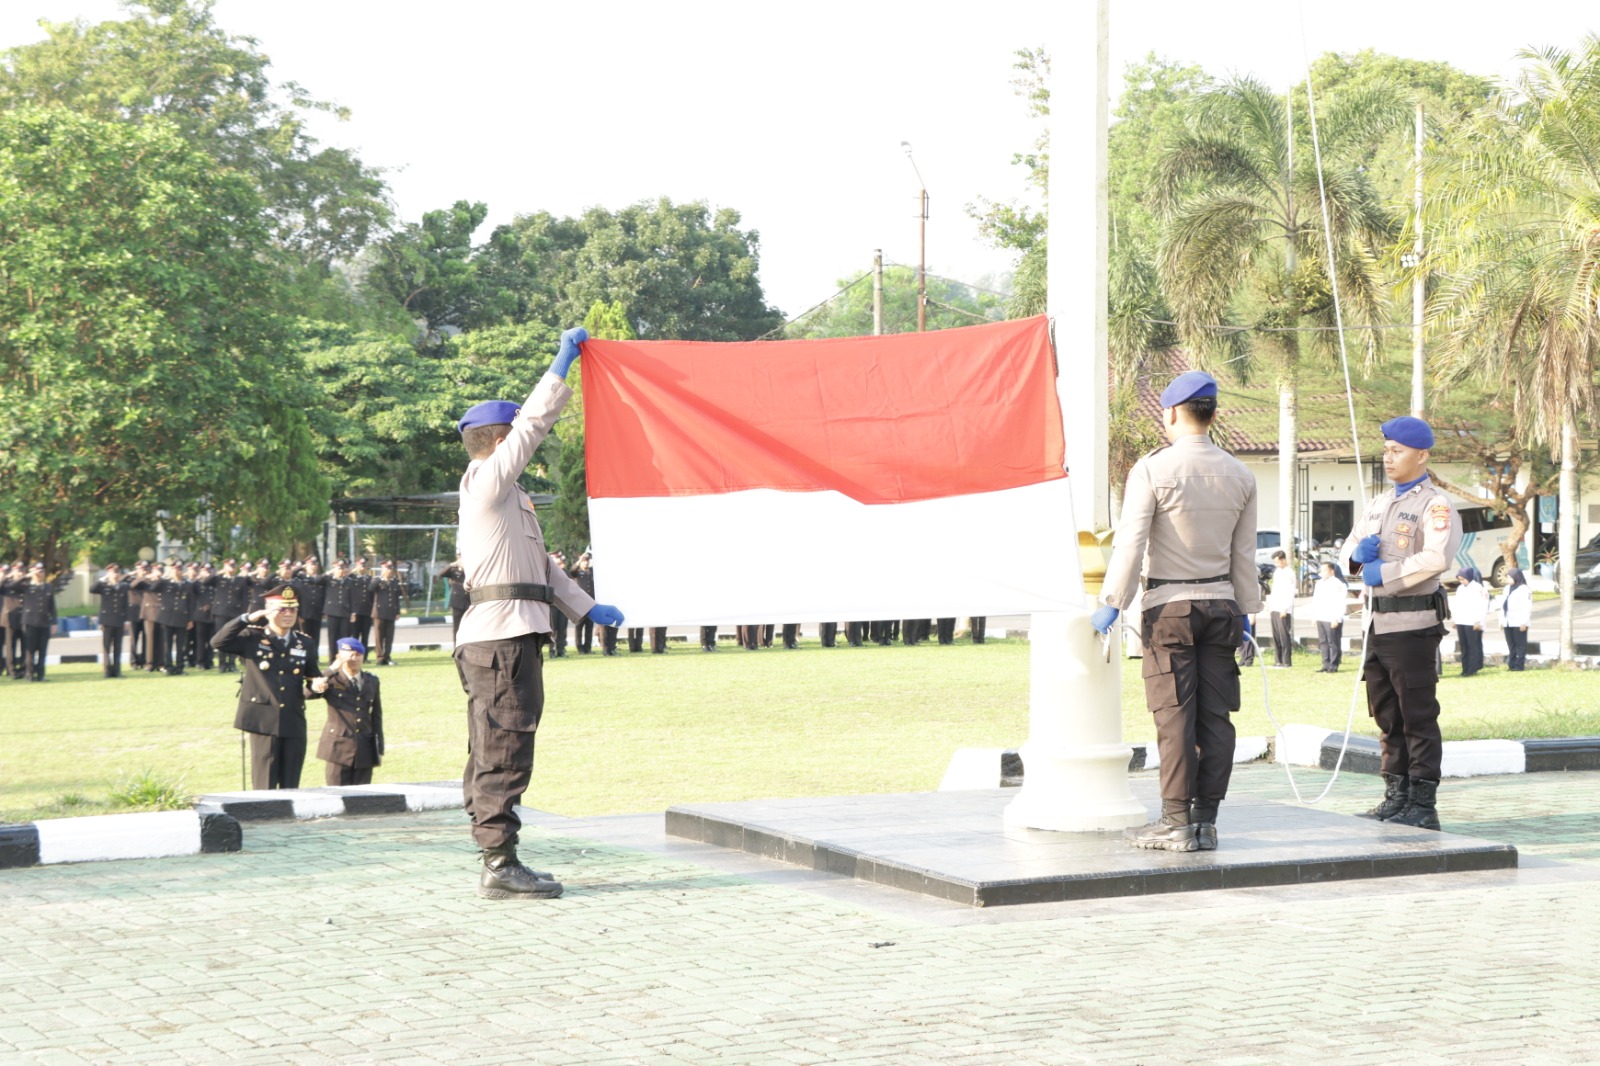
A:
(284, 592)
(1189, 385)
(488, 413)
(1412, 432)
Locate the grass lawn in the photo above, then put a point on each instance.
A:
(642, 732)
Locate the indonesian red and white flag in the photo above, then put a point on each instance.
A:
(909, 476)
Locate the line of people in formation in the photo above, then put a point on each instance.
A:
(1470, 608)
(752, 637)
(169, 612)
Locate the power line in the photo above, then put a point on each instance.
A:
(815, 306)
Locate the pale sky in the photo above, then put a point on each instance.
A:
(792, 114)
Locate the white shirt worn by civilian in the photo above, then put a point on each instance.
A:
(1329, 600)
(1514, 608)
(1470, 604)
(1280, 598)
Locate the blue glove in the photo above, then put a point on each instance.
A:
(603, 614)
(1103, 619)
(1367, 550)
(1372, 574)
(1249, 627)
(568, 353)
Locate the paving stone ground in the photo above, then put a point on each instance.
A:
(359, 940)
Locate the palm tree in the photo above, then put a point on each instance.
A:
(1244, 260)
(1519, 248)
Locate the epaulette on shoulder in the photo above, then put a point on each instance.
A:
(1156, 450)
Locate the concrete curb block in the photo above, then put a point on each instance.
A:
(298, 803)
(104, 837)
(1315, 746)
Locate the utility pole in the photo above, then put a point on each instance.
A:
(922, 240)
(877, 292)
(1419, 284)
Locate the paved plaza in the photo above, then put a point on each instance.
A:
(359, 940)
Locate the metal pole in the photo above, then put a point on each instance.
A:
(877, 292)
(922, 263)
(1418, 287)
(433, 562)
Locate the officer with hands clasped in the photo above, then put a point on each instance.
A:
(1189, 526)
(1405, 540)
(280, 674)
(512, 587)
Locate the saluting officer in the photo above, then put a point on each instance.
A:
(361, 593)
(112, 588)
(1189, 526)
(148, 585)
(312, 585)
(352, 739)
(387, 593)
(1405, 540)
(38, 620)
(230, 597)
(336, 606)
(176, 608)
(280, 674)
(11, 581)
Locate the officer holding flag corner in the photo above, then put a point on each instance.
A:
(1189, 527)
(512, 587)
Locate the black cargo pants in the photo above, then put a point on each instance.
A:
(1403, 699)
(504, 681)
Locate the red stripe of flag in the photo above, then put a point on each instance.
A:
(912, 416)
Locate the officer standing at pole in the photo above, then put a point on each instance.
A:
(1189, 526)
(512, 587)
(1405, 540)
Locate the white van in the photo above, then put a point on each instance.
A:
(1483, 534)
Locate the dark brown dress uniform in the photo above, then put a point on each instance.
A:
(387, 594)
(352, 738)
(272, 697)
(313, 590)
(38, 621)
(11, 621)
(113, 593)
(336, 611)
(1189, 528)
(148, 587)
(1419, 533)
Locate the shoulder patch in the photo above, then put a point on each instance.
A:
(1439, 515)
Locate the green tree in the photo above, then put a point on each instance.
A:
(683, 271)
(170, 59)
(1244, 262)
(1519, 196)
(430, 270)
(138, 352)
(849, 314)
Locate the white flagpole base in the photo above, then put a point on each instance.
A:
(1075, 763)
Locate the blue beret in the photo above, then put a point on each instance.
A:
(1412, 432)
(488, 413)
(1189, 385)
(352, 644)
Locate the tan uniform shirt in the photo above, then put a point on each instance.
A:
(1419, 533)
(500, 539)
(1189, 511)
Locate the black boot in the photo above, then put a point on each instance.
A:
(1395, 792)
(1170, 832)
(1420, 809)
(1204, 819)
(506, 878)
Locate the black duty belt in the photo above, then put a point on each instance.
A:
(1393, 604)
(486, 593)
(1157, 582)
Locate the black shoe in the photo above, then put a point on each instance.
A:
(1421, 808)
(505, 878)
(1166, 833)
(1396, 790)
(1204, 820)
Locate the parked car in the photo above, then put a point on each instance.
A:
(1587, 577)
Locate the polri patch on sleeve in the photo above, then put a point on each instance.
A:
(1439, 516)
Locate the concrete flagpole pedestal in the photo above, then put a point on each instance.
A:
(1075, 760)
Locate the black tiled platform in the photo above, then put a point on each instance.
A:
(954, 845)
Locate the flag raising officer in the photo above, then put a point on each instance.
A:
(1406, 539)
(1189, 526)
(511, 587)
